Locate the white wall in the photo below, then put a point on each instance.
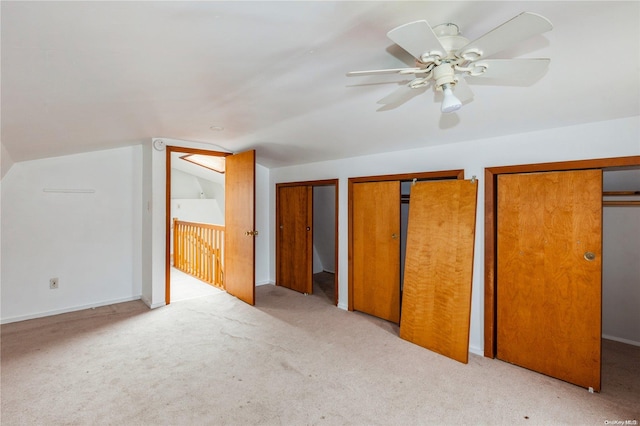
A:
(194, 199)
(202, 211)
(263, 208)
(5, 161)
(89, 241)
(621, 274)
(184, 185)
(324, 225)
(592, 140)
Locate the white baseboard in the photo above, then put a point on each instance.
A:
(66, 310)
(343, 306)
(331, 272)
(153, 305)
(476, 350)
(259, 283)
(621, 340)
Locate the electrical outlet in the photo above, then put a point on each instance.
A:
(53, 283)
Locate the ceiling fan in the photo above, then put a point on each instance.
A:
(444, 57)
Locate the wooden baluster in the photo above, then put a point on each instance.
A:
(198, 250)
(188, 256)
(208, 257)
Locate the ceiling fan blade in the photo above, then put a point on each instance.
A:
(462, 90)
(418, 39)
(515, 30)
(511, 70)
(387, 71)
(402, 95)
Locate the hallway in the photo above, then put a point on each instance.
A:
(185, 287)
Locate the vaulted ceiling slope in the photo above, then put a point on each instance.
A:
(82, 76)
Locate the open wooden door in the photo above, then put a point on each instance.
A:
(295, 238)
(436, 299)
(239, 216)
(376, 249)
(549, 263)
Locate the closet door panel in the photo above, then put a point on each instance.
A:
(376, 249)
(549, 266)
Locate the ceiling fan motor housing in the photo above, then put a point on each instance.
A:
(443, 74)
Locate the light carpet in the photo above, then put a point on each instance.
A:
(290, 360)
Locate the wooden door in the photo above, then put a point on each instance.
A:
(239, 217)
(295, 238)
(549, 260)
(436, 299)
(376, 249)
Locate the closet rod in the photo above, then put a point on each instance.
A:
(620, 193)
(628, 203)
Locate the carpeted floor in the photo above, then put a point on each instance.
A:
(290, 360)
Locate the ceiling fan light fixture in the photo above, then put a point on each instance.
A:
(450, 103)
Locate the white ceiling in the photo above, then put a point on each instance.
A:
(81, 76)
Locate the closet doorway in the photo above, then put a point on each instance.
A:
(306, 237)
(429, 244)
(567, 286)
(378, 216)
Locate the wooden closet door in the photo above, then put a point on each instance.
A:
(376, 249)
(549, 260)
(295, 238)
(436, 299)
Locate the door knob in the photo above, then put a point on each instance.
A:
(394, 236)
(590, 256)
(251, 233)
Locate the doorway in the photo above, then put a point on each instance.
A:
(230, 269)
(306, 237)
(492, 268)
(378, 216)
(432, 303)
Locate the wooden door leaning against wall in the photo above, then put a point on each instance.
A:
(436, 299)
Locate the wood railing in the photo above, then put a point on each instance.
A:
(198, 250)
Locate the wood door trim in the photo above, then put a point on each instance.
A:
(312, 183)
(324, 182)
(490, 226)
(451, 174)
(444, 174)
